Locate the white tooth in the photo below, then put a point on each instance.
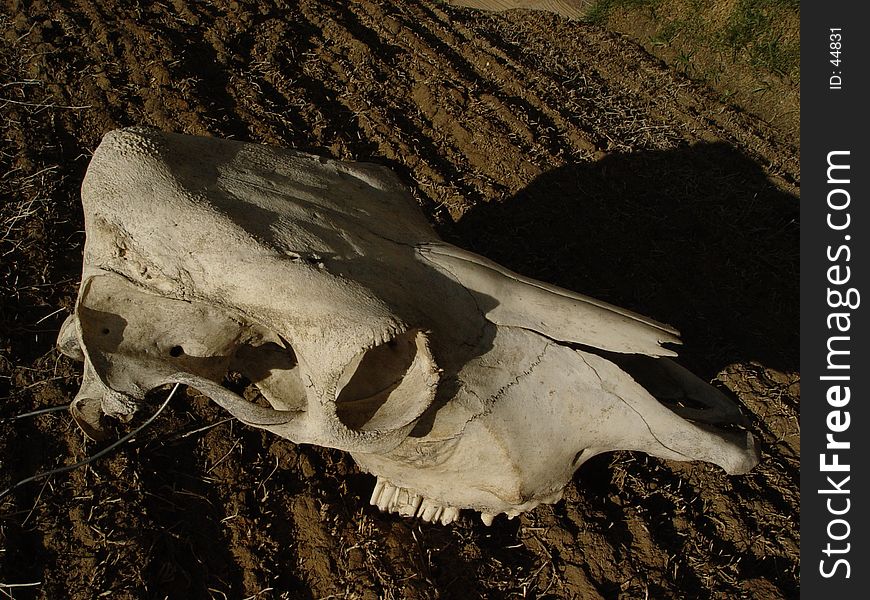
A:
(449, 515)
(379, 487)
(437, 516)
(394, 499)
(487, 518)
(386, 497)
(409, 504)
(429, 510)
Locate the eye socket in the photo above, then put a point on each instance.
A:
(176, 351)
(387, 386)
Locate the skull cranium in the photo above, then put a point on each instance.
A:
(457, 382)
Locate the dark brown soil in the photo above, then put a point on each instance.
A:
(563, 151)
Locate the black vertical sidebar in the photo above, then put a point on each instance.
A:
(835, 299)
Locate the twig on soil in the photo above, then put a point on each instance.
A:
(217, 592)
(49, 315)
(5, 586)
(35, 504)
(43, 106)
(33, 413)
(224, 457)
(181, 436)
(263, 483)
(99, 454)
(22, 82)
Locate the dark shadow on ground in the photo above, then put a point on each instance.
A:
(696, 237)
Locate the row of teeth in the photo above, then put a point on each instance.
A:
(389, 498)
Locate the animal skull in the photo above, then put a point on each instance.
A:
(457, 382)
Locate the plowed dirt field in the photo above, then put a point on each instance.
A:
(556, 148)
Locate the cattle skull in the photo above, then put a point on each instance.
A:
(458, 383)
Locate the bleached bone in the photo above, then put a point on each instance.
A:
(457, 382)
